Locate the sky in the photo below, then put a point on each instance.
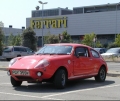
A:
(15, 12)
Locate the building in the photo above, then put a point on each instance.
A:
(103, 20)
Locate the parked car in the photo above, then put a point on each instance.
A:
(112, 52)
(10, 52)
(100, 50)
(58, 63)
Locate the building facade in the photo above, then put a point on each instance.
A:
(103, 20)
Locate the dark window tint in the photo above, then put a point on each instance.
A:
(16, 49)
(83, 50)
(23, 50)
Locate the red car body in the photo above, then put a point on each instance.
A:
(58, 68)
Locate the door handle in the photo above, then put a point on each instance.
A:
(90, 59)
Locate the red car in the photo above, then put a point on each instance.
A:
(58, 63)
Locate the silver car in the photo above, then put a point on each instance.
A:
(112, 52)
(10, 52)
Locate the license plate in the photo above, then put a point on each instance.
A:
(20, 72)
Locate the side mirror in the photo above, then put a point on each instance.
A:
(81, 54)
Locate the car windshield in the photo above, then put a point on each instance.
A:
(7, 49)
(55, 49)
(113, 50)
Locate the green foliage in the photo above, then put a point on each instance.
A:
(66, 38)
(49, 38)
(88, 39)
(117, 40)
(98, 44)
(14, 40)
(1, 40)
(112, 45)
(29, 38)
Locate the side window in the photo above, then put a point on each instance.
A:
(83, 50)
(16, 49)
(95, 54)
(23, 49)
(29, 50)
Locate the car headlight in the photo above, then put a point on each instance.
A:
(42, 63)
(12, 62)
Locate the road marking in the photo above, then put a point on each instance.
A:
(28, 96)
(79, 91)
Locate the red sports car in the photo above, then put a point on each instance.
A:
(58, 63)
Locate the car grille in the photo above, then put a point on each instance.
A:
(24, 78)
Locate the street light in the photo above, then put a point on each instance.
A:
(42, 18)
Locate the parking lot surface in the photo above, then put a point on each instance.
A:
(87, 89)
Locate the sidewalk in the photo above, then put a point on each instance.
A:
(110, 73)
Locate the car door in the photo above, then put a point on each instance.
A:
(96, 61)
(82, 64)
(23, 51)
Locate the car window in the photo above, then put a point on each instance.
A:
(16, 49)
(7, 49)
(94, 54)
(55, 49)
(23, 49)
(83, 50)
(29, 50)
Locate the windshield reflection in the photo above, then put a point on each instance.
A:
(55, 49)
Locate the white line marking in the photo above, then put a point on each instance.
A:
(79, 91)
(28, 96)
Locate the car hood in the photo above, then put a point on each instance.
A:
(108, 54)
(29, 62)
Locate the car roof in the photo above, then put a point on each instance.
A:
(18, 46)
(71, 44)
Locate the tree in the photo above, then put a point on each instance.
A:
(65, 37)
(29, 39)
(49, 38)
(11, 40)
(18, 40)
(117, 40)
(1, 40)
(88, 39)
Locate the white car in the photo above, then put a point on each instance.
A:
(10, 52)
(112, 52)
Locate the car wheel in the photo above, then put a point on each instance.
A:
(60, 79)
(15, 83)
(101, 75)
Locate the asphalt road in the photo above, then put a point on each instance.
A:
(112, 66)
(87, 89)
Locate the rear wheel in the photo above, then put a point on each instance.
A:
(60, 79)
(101, 75)
(14, 82)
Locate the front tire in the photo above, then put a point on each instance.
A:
(60, 79)
(101, 75)
(14, 82)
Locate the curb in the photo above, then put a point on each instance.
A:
(111, 74)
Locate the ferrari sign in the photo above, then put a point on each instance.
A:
(49, 23)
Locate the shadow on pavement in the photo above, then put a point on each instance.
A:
(71, 86)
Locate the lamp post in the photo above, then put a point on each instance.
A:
(42, 18)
